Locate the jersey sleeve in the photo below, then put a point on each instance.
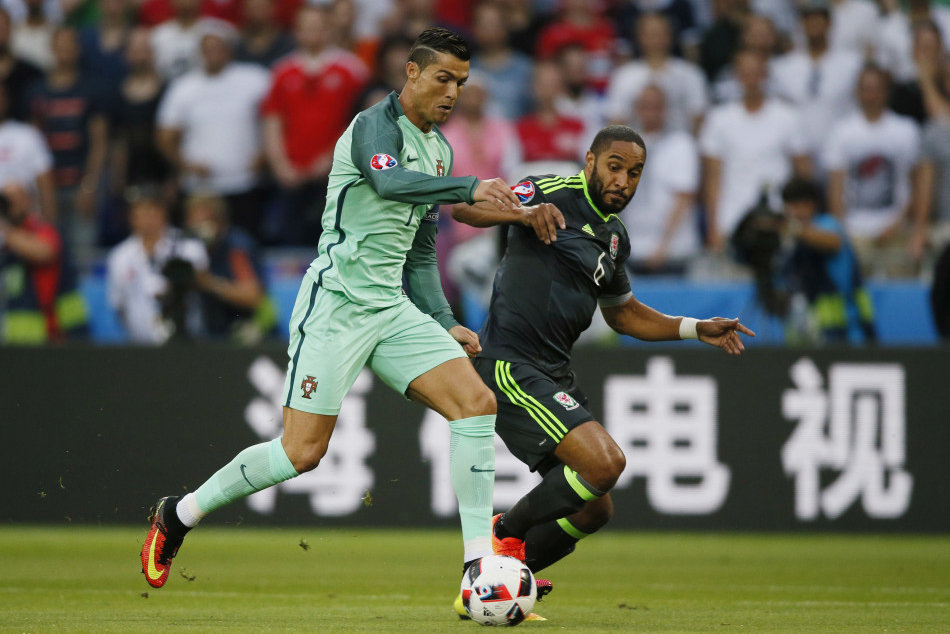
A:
(528, 192)
(375, 148)
(617, 291)
(422, 281)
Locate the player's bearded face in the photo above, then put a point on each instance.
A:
(613, 175)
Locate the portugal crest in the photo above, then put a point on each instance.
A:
(309, 386)
(439, 168)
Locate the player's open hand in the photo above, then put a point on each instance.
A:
(545, 219)
(497, 192)
(723, 333)
(467, 338)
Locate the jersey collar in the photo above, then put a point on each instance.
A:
(590, 202)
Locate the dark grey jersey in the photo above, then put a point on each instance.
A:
(544, 296)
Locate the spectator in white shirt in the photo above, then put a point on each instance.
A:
(664, 234)
(138, 290)
(33, 36)
(854, 26)
(872, 156)
(759, 36)
(208, 126)
(176, 42)
(749, 149)
(25, 158)
(682, 82)
(820, 81)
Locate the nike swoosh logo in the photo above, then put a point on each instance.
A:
(410, 159)
(244, 475)
(153, 573)
(474, 470)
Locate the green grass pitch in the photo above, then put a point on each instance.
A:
(87, 579)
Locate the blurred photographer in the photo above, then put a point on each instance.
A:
(234, 303)
(39, 300)
(823, 268)
(152, 274)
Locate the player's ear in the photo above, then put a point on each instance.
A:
(412, 70)
(589, 160)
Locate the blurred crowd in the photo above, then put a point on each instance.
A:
(176, 138)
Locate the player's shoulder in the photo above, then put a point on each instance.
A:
(541, 188)
(385, 111)
(380, 120)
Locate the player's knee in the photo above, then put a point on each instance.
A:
(307, 457)
(481, 403)
(605, 472)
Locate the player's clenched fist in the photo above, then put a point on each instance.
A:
(497, 192)
(545, 219)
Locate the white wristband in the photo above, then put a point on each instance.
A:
(688, 328)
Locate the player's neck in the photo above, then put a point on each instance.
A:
(406, 101)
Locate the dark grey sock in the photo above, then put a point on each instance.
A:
(547, 544)
(559, 494)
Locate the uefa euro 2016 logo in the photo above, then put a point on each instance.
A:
(382, 162)
(524, 191)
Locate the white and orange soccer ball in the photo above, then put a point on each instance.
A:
(498, 590)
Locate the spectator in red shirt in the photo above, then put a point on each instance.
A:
(41, 303)
(310, 103)
(581, 22)
(546, 134)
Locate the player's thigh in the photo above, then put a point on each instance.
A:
(330, 341)
(535, 414)
(454, 390)
(418, 358)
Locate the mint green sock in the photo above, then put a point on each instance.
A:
(472, 469)
(252, 470)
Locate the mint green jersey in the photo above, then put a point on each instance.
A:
(387, 180)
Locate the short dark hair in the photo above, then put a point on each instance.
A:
(615, 133)
(438, 40)
(801, 189)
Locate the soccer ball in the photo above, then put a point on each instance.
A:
(498, 590)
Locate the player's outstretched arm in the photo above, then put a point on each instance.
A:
(544, 218)
(638, 320)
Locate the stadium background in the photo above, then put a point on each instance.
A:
(92, 404)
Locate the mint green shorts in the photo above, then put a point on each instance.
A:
(332, 340)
